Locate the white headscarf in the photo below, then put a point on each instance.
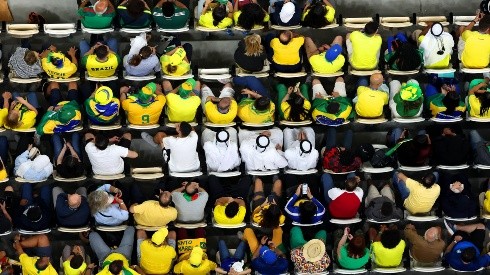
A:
(432, 44)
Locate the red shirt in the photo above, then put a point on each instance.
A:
(345, 206)
(331, 161)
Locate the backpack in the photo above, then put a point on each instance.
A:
(380, 159)
(365, 151)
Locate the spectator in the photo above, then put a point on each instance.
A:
(268, 255)
(294, 101)
(56, 65)
(299, 146)
(183, 101)
(340, 159)
(250, 55)
(414, 151)
(402, 54)
(190, 200)
(141, 59)
(151, 212)
(285, 13)
(22, 112)
(304, 210)
(262, 150)
(311, 256)
(249, 16)
(6, 203)
(106, 208)
(101, 59)
(352, 254)
(221, 149)
(101, 107)
(176, 60)
(215, 15)
(4, 149)
(326, 59)
(229, 207)
(98, 15)
(183, 155)
(33, 213)
(266, 211)
(479, 98)
(39, 264)
(480, 149)
(222, 109)
(67, 165)
(62, 116)
(451, 147)
(372, 97)
(106, 154)
(380, 206)
(156, 254)
(333, 109)
(463, 250)
(387, 246)
(24, 62)
(457, 199)
(283, 51)
(72, 210)
(134, 14)
(418, 197)
(170, 15)
(436, 44)
(145, 106)
(73, 260)
(364, 47)
(229, 263)
(255, 106)
(342, 203)
(196, 263)
(427, 249)
(406, 100)
(474, 46)
(318, 14)
(442, 98)
(32, 166)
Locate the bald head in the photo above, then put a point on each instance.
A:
(74, 200)
(101, 6)
(432, 234)
(224, 105)
(376, 79)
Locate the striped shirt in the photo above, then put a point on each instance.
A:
(146, 67)
(20, 67)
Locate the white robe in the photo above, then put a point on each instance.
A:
(431, 46)
(255, 159)
(221, 158)
(298, 161)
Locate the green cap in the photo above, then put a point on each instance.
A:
(146, 93)
(475, 82)
(186, 88)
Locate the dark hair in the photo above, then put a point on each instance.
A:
(271, 216)
(351, 184)
(316, 16)
(30, 57)
(101, 142)
(164, 204)
(135, 8)
(285, 42)
(193, 191)
(390, 238)
(76, 261)
(262, 103)
(231, 209)
(412, 105)
(421, 140)
(297, 112)
(428, 180)
(144, 53)
(116, 267)
(484, 23)
(484, 101)
(406, 57)
(307, 211)
(73, 165)
(185, 128)
(468, 254)
(101, 52)
(346, 157)
(39, 266)
(252, 14)
(219, 13)
(168, 9)
(356, 247)
(451, 102)
(333, 107)
(386, 209)
(371, 28)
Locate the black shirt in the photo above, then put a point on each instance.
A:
(248, 63)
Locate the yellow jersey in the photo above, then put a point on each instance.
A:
(182, 109)
(206, 20)
(365, 50)
(146, 114)
(214, 116)
(65, 71)
(27, 117)
(101, 69)
(287, 54)
(247, 112)
(29, 266)
(476, 52)
(370, 102)
(156, 259)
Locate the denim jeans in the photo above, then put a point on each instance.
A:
(475, 138)
(57, 140)
(331, 138)
(31, 98)
(327, 183)
(85, 46)
(396, 134)
(224, 253)
(4, 149)
(44, 194)
(56, 97)
(101, 249)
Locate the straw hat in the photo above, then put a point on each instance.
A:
(314, 250)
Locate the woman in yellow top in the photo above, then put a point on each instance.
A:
(266, 213)
(294, 101)
(250, 16)
(216, 16)
(479, 98)
(318, 14)
(176, 61)
(22, 112)
(57, 65)
(387, 247)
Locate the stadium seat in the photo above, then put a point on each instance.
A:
(408, 120)
(115, 228)
(349, 271)
(463, 20)
(111, 127)
(180, 30)
(389, 270)
(460, 220)
(346, 221)
(356, 23)
(285, 28)
(371, 121)
(291, 75)
(353, 71)
(28, 130)
(139, 78)
(22, 180)
(451, 120)
(453, 167)
(258, 125)
(174, 124)
(462, 69)
(300, 172)
(109, 177)
(214, 74)
(186, 174)
(135, 31)
(307, 224)
(255, 28)
(190, 225)
(100, 79)
(383, 222)
(262, 173)
(263, 73)
(440, 71)
(414, 168)
(423, 20)
(402, 73)
(22, 30)
(337, 173)
(323, 75)
(73, 229)
(97, 31)
(228, 226)
(396, 22)
(295, 123)
(60, 30)
(332, 25)
(180, 77)
(56, 177)
(214, 125)
(147, 228)
(28, 232)
(6, 233)
(73, 78)
(147, 173)
(227, 174)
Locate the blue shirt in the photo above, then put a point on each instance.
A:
(453, 258)
(146, 67)
(252, 83)
(70, 217)
(31, 174)
(294, 214)
(279, 267)
(112, 215)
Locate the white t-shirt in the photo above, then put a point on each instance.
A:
(183, 154)
(108, 161)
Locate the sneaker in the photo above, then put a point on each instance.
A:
(449, 226)
(224, 80)
(239, 234)
(486, 75)
(149, 139)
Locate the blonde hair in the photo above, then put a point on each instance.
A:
(12, 120)
(253, 45)
(97, 201)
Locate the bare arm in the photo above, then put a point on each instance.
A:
(59, 160)
(223, 200)
(327, 3)
(132, 154)
(5, 213)
(72, 151)
(473, 22)
(341, 244)
(180, 5)
(160, 3)
(90, 136)
(480, 88)
(402, 177)
(26, 103)
(84, 3)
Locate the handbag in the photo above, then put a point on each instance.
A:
(384, 157)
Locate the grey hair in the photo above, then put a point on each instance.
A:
(97, 200)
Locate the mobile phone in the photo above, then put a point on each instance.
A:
(296, 88)
(304, 188)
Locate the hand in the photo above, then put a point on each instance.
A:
(335, 94)
(52, 48)
(318, 95)
(246, 92)
(91, 266)
(458, 238)
(308, 193)
(266, 133)
(290, 90)
(21, 100)
(264, 239)
(383, 227)
(346, 230)
(72, 51)
(29, 147)
(77, 250)
(118, 199)
(477, 16)
(278, 147)
(68, 144)
(2, 206)
(114, 139)
(350, 237)
(298, 190)
(7, 95)
(410, 226)
(23, 202)
(207, 2)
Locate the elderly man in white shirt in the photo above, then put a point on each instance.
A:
(299, 146)
(262, 150)
(32, 166)
(221, 149)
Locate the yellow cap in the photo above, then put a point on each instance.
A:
(159, 236)
(196, 256)
(103, 95)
